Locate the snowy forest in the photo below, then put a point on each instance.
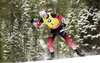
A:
(20, 41)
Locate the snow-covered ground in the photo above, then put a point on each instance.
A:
(87, 59)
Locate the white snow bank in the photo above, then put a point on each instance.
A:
(87, 59)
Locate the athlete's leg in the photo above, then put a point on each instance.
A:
(67, 39)
(51, 48)
(50, 41)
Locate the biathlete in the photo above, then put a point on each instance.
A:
(52, 20)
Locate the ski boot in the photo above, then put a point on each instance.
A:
(52, 56)
(79, 53)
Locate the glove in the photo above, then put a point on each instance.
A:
(63, 24)
(32, 20)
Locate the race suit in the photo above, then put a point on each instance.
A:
(53, 23)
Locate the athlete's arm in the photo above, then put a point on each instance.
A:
(38, 23)
(58, 17)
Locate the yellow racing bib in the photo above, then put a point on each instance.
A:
(51, 22)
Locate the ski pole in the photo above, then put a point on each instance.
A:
(71, 33)
(41, 35)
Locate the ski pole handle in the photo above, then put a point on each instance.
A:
(32, 20)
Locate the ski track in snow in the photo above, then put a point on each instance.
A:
(87, 59)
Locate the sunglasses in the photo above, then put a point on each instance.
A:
(43, 15)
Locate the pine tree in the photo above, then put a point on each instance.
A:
(2, 44)
(90, 26)
(32, 45)
(10, 31)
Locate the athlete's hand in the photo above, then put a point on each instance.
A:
(64, 24)
(32, 20)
